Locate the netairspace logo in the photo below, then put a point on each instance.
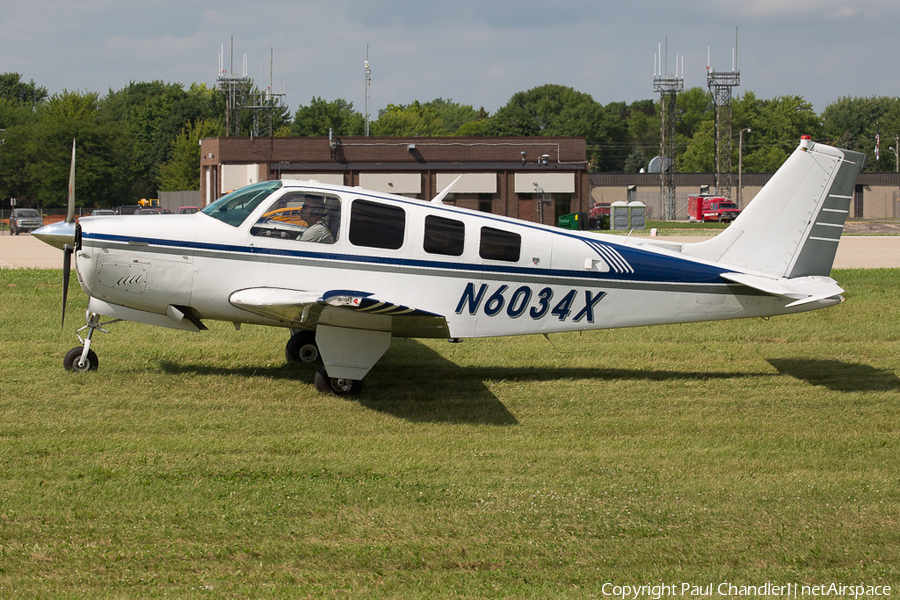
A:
(732, 590)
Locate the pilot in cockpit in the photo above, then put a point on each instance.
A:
(322, 221)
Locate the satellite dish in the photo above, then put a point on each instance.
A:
(656, 165)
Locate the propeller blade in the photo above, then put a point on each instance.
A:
(70, 215)
(67, 269)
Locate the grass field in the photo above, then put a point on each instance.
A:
(201, 466)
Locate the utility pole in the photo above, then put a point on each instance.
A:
(896, 150)
(740, 194)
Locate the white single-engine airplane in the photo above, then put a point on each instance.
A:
(346, 269)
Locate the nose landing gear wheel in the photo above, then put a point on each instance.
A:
(72, 361)
(336, 385)
(302, 348)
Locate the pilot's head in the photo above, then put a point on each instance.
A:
(313, 209)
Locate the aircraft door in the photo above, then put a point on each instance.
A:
(294, 232)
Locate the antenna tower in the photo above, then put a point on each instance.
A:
(668, 86)
(368, 85)
(264, 103)
(240, 96)
(720, 84)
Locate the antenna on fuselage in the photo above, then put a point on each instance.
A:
(439, 199)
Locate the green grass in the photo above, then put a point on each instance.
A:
(667, 228)
(201, 466)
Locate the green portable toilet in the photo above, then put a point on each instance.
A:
(618, 216)
(637, 212)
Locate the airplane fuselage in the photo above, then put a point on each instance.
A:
(485, 275)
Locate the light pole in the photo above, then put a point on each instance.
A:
(741, 167)
(896, 150)
(541, 199)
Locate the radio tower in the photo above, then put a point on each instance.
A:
(240, 96)
(668, 86)
(368, 85)
(236, 89)
(720, 84)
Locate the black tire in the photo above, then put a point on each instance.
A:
(73, 357)
(302, 348)
(336, 385)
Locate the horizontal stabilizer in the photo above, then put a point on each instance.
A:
(802, 290)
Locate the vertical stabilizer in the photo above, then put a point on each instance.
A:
(793, 226)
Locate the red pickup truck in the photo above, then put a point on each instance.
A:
(599, 215)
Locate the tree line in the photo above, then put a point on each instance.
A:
(144, 138)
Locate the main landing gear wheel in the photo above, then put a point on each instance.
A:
(302, 348)
(73, 362)
(336, 385)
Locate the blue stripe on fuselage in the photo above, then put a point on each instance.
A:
(648, 266)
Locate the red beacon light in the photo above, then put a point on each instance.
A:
(805, 142)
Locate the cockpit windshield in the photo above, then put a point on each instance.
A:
(235, 207)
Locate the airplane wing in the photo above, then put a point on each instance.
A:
(303, 309)
(801, 290)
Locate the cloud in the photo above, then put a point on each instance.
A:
(471, 51)
(845, 12)
(499, 14)
(800, 12)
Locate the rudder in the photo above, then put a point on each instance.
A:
(793, 226)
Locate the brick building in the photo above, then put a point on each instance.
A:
(533, 178)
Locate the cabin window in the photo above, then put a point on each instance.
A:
(377, 225)
(303, 216)
(444, 236)
(497, 244)
(234, 208)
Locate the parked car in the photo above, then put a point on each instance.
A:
(102, 211)
(186, 210)
(24, 219)
(147, 211)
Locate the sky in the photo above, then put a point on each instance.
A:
(473, 53)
